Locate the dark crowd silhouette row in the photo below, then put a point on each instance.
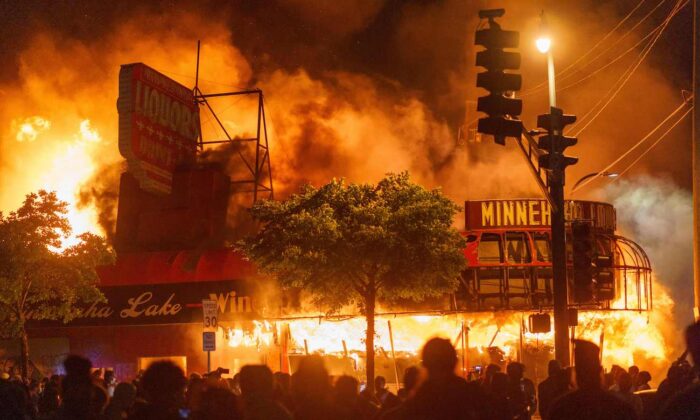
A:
(430, 391)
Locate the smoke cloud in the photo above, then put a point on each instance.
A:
(657, 214)
(352, 89)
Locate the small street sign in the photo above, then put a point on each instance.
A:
(210, 310)
(209, 341)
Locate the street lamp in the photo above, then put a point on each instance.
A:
(544, 45)
(605, 174)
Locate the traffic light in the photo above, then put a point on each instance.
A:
(583, 271)
(501, 107)
(604, 277)
(554, 142)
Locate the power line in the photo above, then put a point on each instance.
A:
(627, 75)
(578, 60)
(653, 145)
(654, 31)
(615, 60)
(639, 143)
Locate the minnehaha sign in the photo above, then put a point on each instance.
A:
(484, 214)
(158, 125)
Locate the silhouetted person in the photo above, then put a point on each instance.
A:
(109, 382)
(643, 381)
(49, 400)
(81, 399)
(257, 387)
(486, 380)
(551, 388)
(193, 395)
(348, 403)
(677, 378)
(686, 404)
(443, 395)
(615, 372)
(589, 401)
(163, 385)
(634, 372)
(122, 403)
(218, 403)
(283, 389)
(626, 393)
(311, 390)
(497, 402)
(13, 401)
(521, 392)
(386, 399)
(410, 379)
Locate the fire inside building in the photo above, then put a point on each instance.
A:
(172, 255)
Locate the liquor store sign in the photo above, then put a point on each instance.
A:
(488, 214)
(158, 125)
(166, 304)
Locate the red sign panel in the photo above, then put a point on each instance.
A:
(531, 213)
(158, 125)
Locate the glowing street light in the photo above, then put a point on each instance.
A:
(544, 45)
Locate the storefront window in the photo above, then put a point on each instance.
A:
(542, 247)
(518, 247)
(490, 248)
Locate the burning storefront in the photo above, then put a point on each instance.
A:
(172, 254)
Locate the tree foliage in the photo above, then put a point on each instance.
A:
(38, 281)
(354, 243)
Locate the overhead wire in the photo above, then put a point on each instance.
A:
(593, 48)
(611, 62)
(622, 81)
(535, 89)
(644, 153)
(631, 149)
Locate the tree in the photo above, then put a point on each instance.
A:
(357, 243)
(38, 281)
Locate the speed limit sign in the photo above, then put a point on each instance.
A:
(210, 314)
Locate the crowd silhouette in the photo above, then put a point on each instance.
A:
(431, 391)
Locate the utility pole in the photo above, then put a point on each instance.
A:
(503, 122)
(555, 162)
(696, 158)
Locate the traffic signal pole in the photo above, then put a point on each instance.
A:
(502, 122)
(559, 281)
(554, 162)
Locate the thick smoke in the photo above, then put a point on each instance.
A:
(353, 89)
(657, 214)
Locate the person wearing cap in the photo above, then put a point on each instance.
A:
(590, 401)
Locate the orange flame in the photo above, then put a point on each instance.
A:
(629, 337)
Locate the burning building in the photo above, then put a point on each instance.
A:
(172, 254)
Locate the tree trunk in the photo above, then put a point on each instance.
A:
(24, 353)
(369, 341)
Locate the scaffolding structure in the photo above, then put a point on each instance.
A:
(258, 179)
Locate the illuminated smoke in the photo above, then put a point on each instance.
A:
(353, 89)
(657, 214)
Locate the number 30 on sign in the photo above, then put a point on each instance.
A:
(210, 310)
